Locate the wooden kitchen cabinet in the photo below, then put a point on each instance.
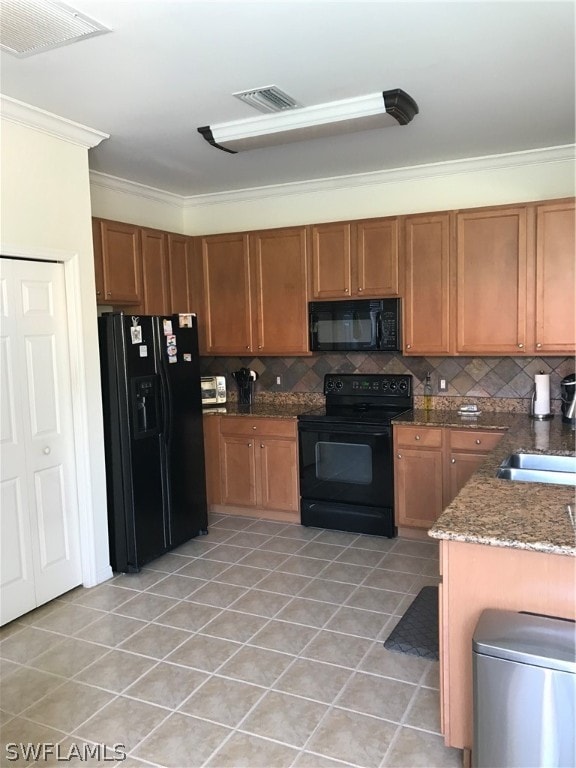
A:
(154, 272)
(117, 260)
(427, 285)
(259, 466)
(255, 293)
(211, 429)
(431, 465)
(355, 259)
(493, 269)
(418, 475)
(555, 330)
(180, 277)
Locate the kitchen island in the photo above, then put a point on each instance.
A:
(503, 544)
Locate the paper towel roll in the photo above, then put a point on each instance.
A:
(542, 394)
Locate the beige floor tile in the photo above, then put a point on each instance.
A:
(34, 616)
(309, 612)
(24, 687)
(340, 538)
(200, 545)
(204, 652)
(181, 741)
(281, 544)
(245, 751)
(188, 615)
(428, 549)
(111, 629)
(358, 556)
(24, 732)
(146, 606)
(256, 665)
(68, 706)
(336, 648)
(261, 603)
(24, 646)
(310, 760)
(241, 575)
(225, 701)
(167, 685)
(267, 526)
(69, 657)
(366, 694)
(424, 711)
(230, 625)
(356, 621)
(201, 568)
(68, 618)
(232, 522)
(302, 566)
(321, 551)
(371, 599)
(227, 553)
(348, 736)
(155, 640)
(217, 594)
(345, 572)
(403, 563)
(283, 636)
(376, 543)
(105, 597)
(314, 680)
(299, 532)
(176, 586)
(286, 718)
(122, 721)
(283, 583)
(169, 563)
(139, 581)
(419, 749)
(400, 666)
(328, 591)
(116, 671)
(11, 629)
(7, 667)
(382, 578)
(432, 677)
(260, 558)
(246, 539)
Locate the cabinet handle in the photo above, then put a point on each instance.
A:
(452, 461)
(261, 445)
(259, 346)
(398, 455)
(108, 293)
(346, 290)
(249, 445)
(248, 347)
(98, 293)
(417, 437)
(408, 346)
(520, 346)
(360, 289)
(478, 441)
(253, 427)
(538, 346)
(46, 450)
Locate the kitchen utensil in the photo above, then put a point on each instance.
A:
(245, 378)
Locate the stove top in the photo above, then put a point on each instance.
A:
(364, 398)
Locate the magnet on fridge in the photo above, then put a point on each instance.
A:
(136, 334)
(143, 350)
(173, 359)
(185, 321)
(170, 341)
(167, 325)
(172, 350)
(187, 357)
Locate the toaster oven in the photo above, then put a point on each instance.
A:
(213, 390)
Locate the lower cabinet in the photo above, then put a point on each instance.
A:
(257, 462)
(431, 465)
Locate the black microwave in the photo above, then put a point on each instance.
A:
(356, 325)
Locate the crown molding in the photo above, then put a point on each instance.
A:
(126, 187)
(46, 122)
(545, 156)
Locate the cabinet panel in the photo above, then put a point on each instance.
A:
(241, 425)
(331, 260)
(492, 272)
(211, 428)
(279, 269)
(427, 285)
(418, 437)
(460, 468)
(154, 272)
(227, 294)
(377, 257)
(238, 471)
(555, 279)
(474, 440)
(279, 474)
(418, 486)
(98, 260)
(179, 273)
(121, 262)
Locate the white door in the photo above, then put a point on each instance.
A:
(39, 507)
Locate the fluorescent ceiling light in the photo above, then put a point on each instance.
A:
(361, 113)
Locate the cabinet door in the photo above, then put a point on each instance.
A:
(555, 279)
(179, 273)
(121, 262)
(492, 273)
(461, 467)
(331, 260)
(98, 261)
(279, 269)
(377, 257)
(228, 311)
(418, 486)
(278, 474)
(238, 467)
(211, 429)
(427, 285)
(154, 272)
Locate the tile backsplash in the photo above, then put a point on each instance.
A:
(472, 377)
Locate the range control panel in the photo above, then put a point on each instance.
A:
(373, 384)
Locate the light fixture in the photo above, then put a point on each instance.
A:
(361, 113)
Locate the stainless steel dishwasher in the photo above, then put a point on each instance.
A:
(524, 672)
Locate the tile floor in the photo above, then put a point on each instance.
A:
(257, 645)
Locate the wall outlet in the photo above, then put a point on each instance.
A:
(443, 386)
(278, 380)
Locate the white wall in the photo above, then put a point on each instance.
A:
(45, 212)
(512, 178)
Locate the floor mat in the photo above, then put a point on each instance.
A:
(417, 631)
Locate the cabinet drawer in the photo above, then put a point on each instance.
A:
(473, 440)
(243, 426)
(424, 437)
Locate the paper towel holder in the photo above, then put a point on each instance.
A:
(538, 416)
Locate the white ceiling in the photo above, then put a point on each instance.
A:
(488, 77)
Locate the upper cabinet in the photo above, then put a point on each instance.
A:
(355, 259)
(117, 262)
(154, 272)
(555, 279)
(255, 297)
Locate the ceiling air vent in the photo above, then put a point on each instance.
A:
(33, 26)
(267, 99)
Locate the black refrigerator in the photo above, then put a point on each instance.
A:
(156, 488)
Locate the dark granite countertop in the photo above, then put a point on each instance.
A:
(437, 418)
(258, 410)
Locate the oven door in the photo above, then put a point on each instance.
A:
(346, 463)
